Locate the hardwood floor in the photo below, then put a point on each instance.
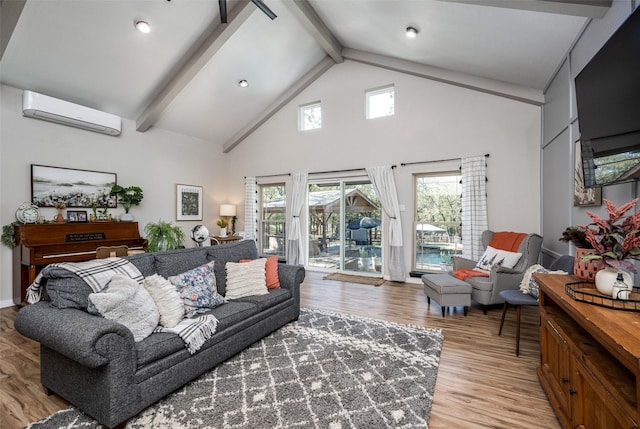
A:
(481, 383)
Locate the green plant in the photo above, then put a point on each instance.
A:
(130, 196)
(615, 240)
(163, 236)
(9, 235)
(222, 223)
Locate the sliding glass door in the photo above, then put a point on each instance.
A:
(344, 226)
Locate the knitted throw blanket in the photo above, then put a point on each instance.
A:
(194, 332)
(96, 273)
(506, 240)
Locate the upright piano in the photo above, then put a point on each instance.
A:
(43, 244)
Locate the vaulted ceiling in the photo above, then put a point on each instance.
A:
(183, 76)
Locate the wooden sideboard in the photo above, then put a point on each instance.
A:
(43, 244)
(589, 359)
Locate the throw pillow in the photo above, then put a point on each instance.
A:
(528, 283)
(493, 257)
(166, 298)
(197, 288)
(246, 279)
(125, 301)
(271, 271)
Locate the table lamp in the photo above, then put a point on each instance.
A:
(227, 211)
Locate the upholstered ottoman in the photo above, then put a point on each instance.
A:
(447, 291)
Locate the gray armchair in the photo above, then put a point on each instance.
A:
(486, 290)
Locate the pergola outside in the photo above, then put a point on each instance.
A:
(324, 212)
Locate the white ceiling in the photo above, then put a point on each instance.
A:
(183, 75)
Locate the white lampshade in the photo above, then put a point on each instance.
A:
(227, 210)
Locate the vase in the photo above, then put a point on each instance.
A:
(126, 217)
(223, 232)
(59, 218)
(607, 276)
(586, 270)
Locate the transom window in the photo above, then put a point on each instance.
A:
(310, 116)
(380, 102)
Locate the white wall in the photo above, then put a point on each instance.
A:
(156, 161)
(432, 121)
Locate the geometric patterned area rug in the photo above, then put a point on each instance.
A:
(327, 370)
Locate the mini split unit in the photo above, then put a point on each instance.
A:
(51, 109)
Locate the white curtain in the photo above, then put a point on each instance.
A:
(295, 248)
(385, 186)
(250, 208)
(474, 205)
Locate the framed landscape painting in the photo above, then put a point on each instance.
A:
(188, 202)
(75, 188)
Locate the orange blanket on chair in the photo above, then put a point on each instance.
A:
(506, 240)
(464, 273)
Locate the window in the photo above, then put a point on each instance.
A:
(438, 220)
(380, 102)
(310, 116)
(273, 206)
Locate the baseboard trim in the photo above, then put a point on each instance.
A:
(6, 303)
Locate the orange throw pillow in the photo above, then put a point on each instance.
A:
(271, 271)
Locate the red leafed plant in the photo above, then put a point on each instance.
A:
(615, 240)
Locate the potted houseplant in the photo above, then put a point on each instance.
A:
(615, 241)
(129, 196)
(163, 236)
(585, 269)
(222, 223)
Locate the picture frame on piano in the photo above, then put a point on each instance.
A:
(75, 216)
(188, 202)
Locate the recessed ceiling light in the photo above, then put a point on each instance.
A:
(411, 32)
(243, 83)
(143, 26)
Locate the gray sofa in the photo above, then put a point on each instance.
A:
(95, 364)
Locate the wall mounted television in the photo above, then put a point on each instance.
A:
(608, 99)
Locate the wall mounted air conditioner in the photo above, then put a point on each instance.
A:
(51, 109)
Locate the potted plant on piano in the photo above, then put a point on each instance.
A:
(129, 196)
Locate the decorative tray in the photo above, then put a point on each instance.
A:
(587, 292)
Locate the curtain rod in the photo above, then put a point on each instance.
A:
(486, 155)
(342, 171)
(271, 175)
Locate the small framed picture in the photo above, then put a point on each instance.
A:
(76, 216)
(188, 202)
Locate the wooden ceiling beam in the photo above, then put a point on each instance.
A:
(310, 20)
(193, 64)
(10, 12)
(586, 8)
(463, 80)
